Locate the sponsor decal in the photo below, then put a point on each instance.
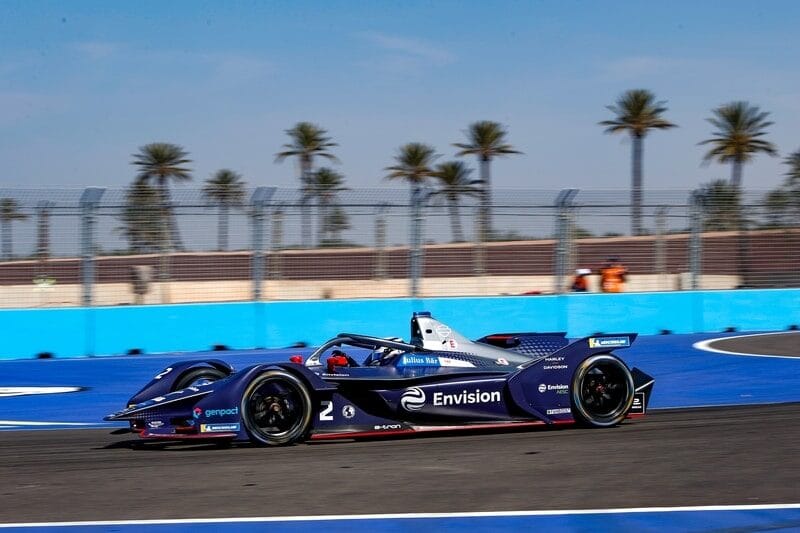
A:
(6, 392)
(381, 427)
(466, 397)
(419, 360)
(446, 361)
(554, 363)
(559, 389)
(413, 399)
(559, 411)
(443, 331)
(163, 373)
(638, 404)
(452, 344)
(222, 412)
(348, 411)
(196, 412)
(502, 361)
(216, 428)
(155, 424)
(609, 342)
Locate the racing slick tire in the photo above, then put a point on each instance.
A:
(276, 409)
(198, 376)
(602, 391)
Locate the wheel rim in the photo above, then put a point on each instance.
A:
(604, 391)
(201, 380)
(276, 409)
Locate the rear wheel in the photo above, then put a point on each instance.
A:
(276, 409)
(198, 376)
(602, 391)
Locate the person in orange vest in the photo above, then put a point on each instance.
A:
(613, 276)
(580, 283)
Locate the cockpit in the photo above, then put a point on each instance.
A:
(353, 350)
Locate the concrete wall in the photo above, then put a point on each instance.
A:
(114, 330)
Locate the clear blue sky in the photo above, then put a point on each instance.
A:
(83, 84)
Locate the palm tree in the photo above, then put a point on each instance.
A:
(325, 183)
(637, 112)
(793, 174)
(722, 209)
(159, 163)
(737, 139)
(307, 142)
(141, 218)
(413, 164)
(9, 212)
(486, 139)
(454, 182)
(226, 188)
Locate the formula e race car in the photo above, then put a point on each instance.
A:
(361, 386)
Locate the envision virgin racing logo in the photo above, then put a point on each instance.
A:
(413, 399)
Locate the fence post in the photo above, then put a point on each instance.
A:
(696, 241)
(260, 197)
(479, 255)
(415, 256)
(88, 203)
(380, 241)
(276, 243)
(660, 251)
(563, 206)
(43, 208)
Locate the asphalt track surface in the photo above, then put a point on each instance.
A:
(685, 457)
(715, 456)
(783, 344)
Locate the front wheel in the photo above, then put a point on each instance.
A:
(198, 376)
(602, 391)
(276, 408)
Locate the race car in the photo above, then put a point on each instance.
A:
(360, 386)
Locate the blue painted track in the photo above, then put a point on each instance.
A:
(777, 520)
(685, 377)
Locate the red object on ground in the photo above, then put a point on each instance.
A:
(334, 361)
(296, 359)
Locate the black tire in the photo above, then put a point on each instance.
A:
(276, 409)
(602, 391)
(198, 375)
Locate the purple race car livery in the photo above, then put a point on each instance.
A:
(361, 386)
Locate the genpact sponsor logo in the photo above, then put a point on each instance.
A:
(222, 412)
(196, 412)
(413, 399)
(465, 397)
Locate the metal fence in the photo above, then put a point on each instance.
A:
(110, 247)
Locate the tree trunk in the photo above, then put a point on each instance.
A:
(736, 174)
(323, 231)
(5, 228)
(636, 185)
(305, 212)
(455, 221)
(222, 228)
(486, 200)
(164, 244)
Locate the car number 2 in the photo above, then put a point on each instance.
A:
(325, 414)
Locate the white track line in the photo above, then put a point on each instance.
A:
(405, 516)
(706, 345)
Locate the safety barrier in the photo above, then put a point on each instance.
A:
(72, 332)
